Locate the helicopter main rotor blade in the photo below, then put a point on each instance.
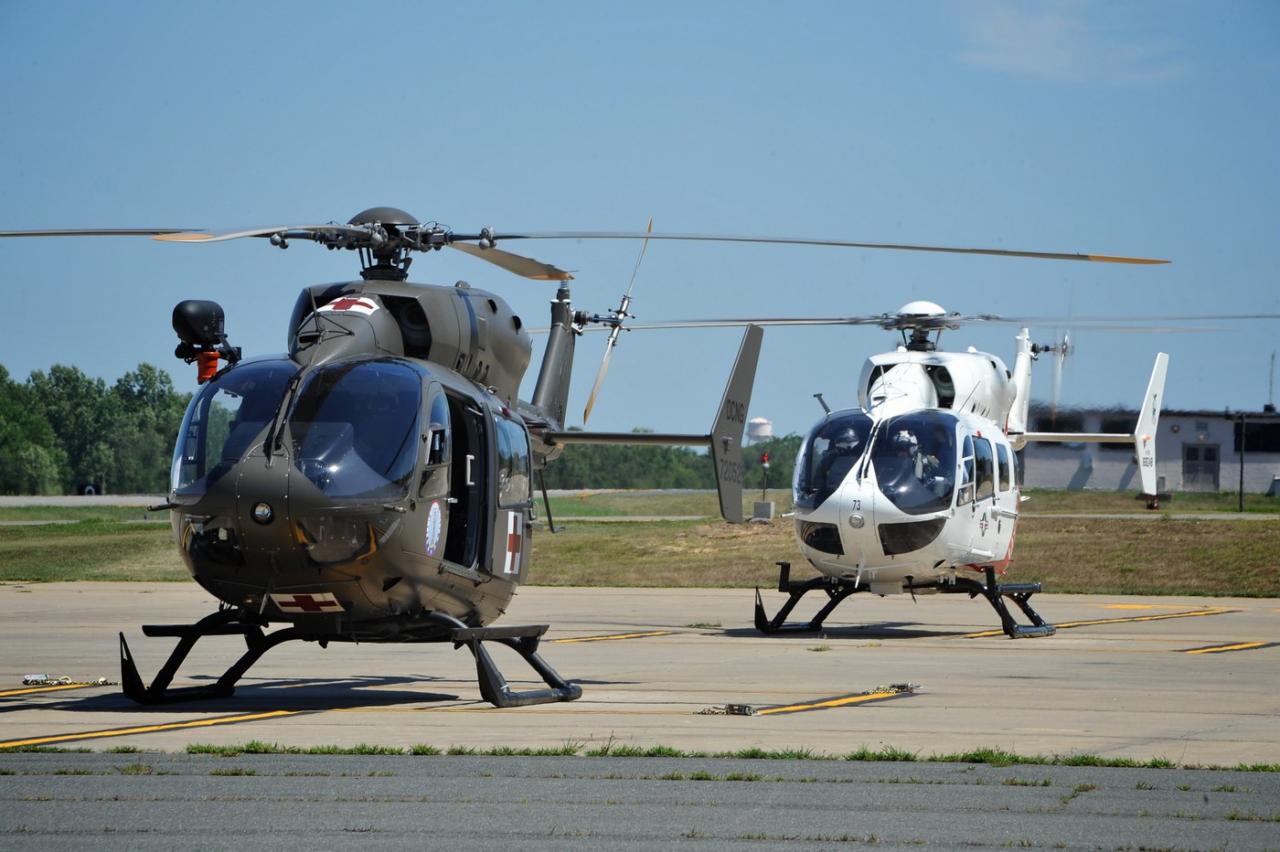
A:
(517, 263)
(806, 241)
(298, 232)
(763, 321)
(93, 232)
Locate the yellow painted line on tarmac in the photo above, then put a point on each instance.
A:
(56, 688)
(1067, 625)
(1139, 606)
(147, 729)
(827, 703)
(612, 637)
(1238, 646)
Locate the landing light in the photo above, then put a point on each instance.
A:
(262, 513)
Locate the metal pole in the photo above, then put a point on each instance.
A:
(1240, 507)
(1242, 445)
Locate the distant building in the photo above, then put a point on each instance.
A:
(1195, 451)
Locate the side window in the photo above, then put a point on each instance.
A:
(984, 466)
(435, 473)
(965, 492)
(1005, 473)
(513, 464)
(438, 438)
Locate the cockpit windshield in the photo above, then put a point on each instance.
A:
(828, 454)
(223, 419)
(355, 428)
(915, 461)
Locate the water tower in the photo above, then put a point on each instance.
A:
(759, 429)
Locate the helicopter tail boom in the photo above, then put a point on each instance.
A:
(1143, 435)
(724, 439)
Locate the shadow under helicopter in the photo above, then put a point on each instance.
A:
(254, 695)
(876, 630)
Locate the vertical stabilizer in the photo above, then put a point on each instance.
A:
(1017, 422)
(551, 394)
(1144, 434)
(730, 422)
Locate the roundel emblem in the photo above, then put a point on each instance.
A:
(433, 528)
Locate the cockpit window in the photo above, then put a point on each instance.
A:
(828, 454)
(223, 420)
(355, 428)
(915, 461)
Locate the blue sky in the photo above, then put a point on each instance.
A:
(1123, 128)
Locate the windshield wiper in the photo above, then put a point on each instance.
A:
(276, 434)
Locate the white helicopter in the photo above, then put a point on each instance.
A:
(918, 489)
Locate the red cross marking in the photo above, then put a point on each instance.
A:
(513, 542)
(348, 302)
(306, 603)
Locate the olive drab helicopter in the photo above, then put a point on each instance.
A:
(375, 482)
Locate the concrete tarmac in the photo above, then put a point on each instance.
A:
(1136, 677)
(136, 802)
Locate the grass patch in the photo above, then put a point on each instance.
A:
(1121, 502)
(1068, 555)
(89, 550)
(1250, 816)
(989, 756)
(887, 754)
(82, 513)
(136, 769)
(45, 750)
(1086, 555)
(233, 770)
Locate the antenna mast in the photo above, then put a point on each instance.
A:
(1271, 384)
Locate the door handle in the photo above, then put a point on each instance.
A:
(470, 458)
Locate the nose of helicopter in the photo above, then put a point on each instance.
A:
(841, 531)
(263, 508)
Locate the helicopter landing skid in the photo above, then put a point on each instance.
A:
(524, 641)
(232, 622)
(836, 590)
(995, 594)
(225, 622)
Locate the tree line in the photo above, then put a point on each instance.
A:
(616, 466)
(62, 432)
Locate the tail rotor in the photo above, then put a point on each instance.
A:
(615, 319)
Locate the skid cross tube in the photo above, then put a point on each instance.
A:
(837, 591)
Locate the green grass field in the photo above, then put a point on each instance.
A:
(1111, 556)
